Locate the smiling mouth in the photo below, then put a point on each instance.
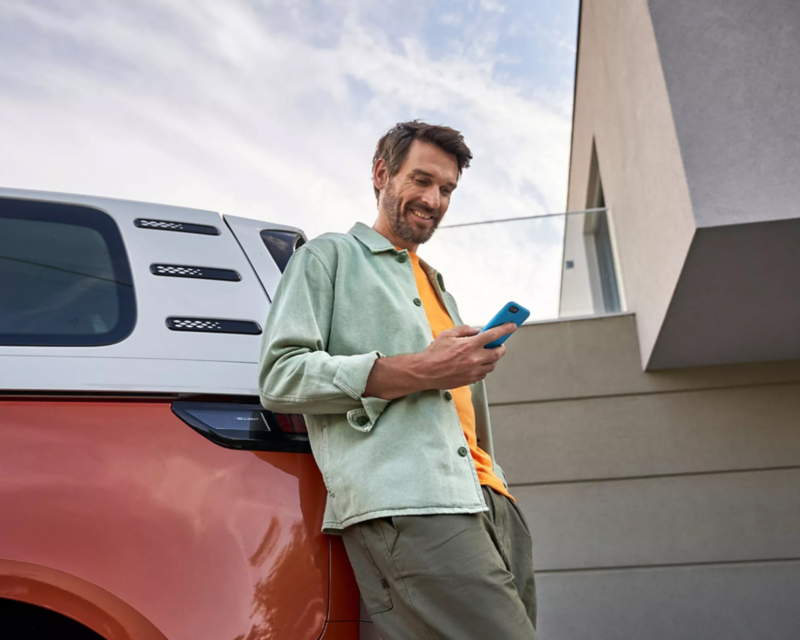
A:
(421, 214)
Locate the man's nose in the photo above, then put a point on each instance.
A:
(430, 197)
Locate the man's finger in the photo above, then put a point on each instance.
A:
(488, 336)
(491, 356)
(462, 331)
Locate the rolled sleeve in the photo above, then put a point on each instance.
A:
(296, 374)
(351, 378)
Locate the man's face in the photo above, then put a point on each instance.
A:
(415, 200)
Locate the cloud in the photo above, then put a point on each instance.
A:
(492, 5)
(272, 110)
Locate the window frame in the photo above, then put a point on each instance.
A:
(299, 241)
(101, 222)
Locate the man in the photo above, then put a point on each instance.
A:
(364, 339)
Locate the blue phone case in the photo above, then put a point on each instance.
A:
(511, 312)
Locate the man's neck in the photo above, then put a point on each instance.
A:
(382, 226)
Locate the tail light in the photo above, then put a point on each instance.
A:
(245, 425)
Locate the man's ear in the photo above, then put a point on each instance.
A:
(380, 174)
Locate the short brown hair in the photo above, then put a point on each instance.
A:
(393, 146)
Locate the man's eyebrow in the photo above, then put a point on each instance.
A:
(422, 172)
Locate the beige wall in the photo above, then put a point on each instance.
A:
(622, 104)
(678, 101)
(734, 86)
(662, 505)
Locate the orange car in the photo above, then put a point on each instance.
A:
(145, 493)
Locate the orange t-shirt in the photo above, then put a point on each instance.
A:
(439, 320)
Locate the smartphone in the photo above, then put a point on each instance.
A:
(511, 312)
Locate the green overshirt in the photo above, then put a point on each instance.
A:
(344, 301)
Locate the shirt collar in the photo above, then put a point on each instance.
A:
(432, 273)
(377, 243)
(371, 239)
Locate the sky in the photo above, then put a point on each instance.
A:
(271, 109)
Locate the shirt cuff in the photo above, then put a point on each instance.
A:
(351, 377)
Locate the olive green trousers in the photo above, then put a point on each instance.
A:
(453, 577)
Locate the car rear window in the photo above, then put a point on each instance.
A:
(282, 245)
(64, 276)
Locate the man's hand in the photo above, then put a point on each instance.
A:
(456, 358)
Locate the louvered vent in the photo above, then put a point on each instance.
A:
(183, 227)
(214, 325)
(203, 273)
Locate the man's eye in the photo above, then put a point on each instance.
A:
(421, 181)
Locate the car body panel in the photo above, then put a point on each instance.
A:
(157, 298)
(116, 513)
(343, 603)
(130, 375)
(248, 233)
(341, 631)
(202, 541)
(78, 599)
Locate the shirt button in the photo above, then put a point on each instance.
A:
(418, 302)
(448, 395)
(402, 258)
(362, 421)
(462, 451)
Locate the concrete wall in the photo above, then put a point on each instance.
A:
(692, 106)
(623, 107)
(731, 68)
(663, 505)
(736, 299)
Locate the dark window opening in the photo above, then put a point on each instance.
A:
(282, 245)
(602, 240)
(64, 276)
(605, 265)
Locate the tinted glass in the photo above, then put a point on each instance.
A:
(281, 245)
(605, 264)
(64, 276)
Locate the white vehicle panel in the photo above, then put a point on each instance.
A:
(127, 375)
(153, 357)
(248, 233)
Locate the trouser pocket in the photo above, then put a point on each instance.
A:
(364, 542)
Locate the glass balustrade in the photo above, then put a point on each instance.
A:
(556, 265)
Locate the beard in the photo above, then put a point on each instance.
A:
(398, 216)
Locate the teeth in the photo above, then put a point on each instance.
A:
(419, 214)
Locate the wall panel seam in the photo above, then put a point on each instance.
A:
(656, 476)
(676, 565)
(634, 394)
